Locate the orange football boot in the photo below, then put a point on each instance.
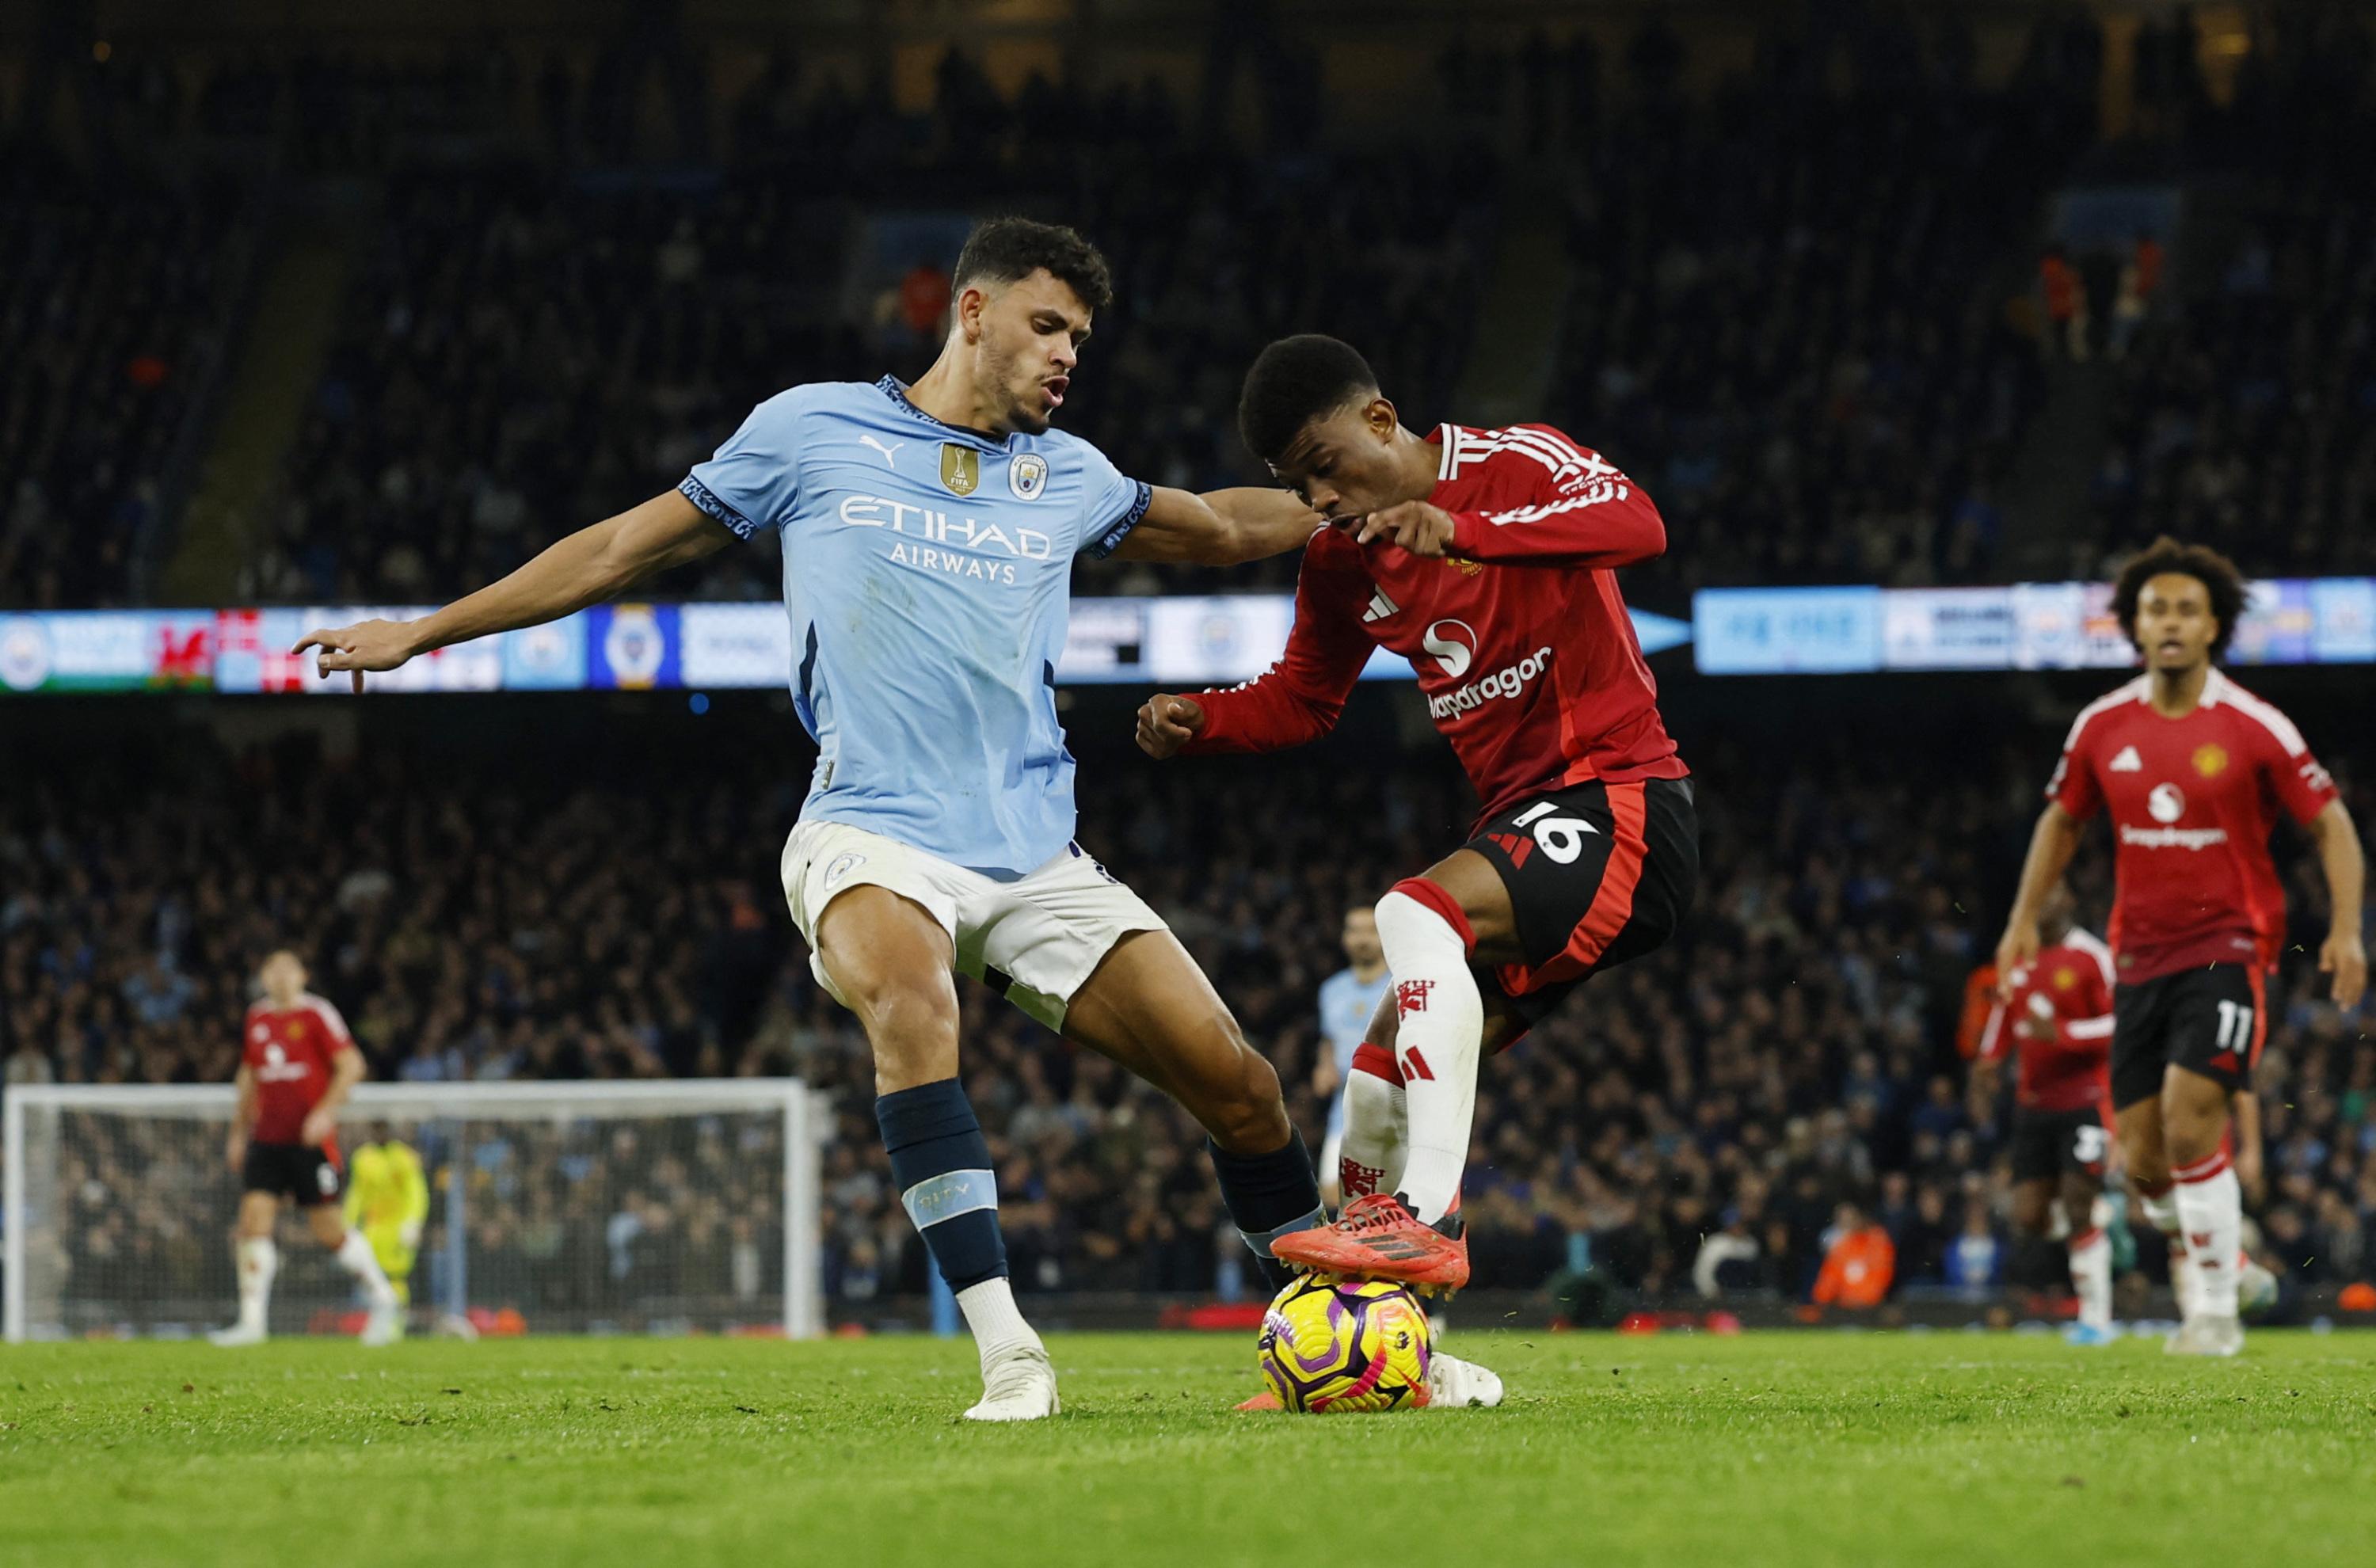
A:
(1377, 1237)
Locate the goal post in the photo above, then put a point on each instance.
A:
(662, 1205)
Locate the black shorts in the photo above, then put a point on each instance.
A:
(1597, 873)
(2047, 1142)
(2212, 1020)
(310, 1175)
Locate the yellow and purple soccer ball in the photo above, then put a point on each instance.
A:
(1333, 1345)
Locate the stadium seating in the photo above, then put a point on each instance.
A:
(1819, 356)
(610, 919)
(114, 309)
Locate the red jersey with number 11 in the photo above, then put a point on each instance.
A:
(1521, 642)
(2192, 802)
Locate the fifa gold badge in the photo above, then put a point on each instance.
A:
(960, 467)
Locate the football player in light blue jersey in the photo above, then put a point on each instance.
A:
(1349, 999)
(928, 532)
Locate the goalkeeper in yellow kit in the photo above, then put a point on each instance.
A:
(387, 1200)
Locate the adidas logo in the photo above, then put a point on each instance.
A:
(1380, 607)
(2127, 762)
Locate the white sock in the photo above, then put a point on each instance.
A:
(356, 1257)
(2161, 1213)
(1377, 1134)
(2091, 1273)
(2211, 1205)
(997, 1322)
(259, 1260)
(1439, 1033)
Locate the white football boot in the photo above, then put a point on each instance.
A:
(2206, 1335)
(1018, 1386)
(239, 1334)
(385, 1326)
(1453, 1383)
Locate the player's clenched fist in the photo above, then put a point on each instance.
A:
(1166, 724)
(366, 644)
(1419, 528)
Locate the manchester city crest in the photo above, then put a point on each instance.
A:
(1027, 475)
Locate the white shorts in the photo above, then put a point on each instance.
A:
(1035, 939)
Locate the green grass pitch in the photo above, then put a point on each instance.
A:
(1776, 1448)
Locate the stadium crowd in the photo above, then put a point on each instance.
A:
(1817, 350)
(2243, 419)
(1794, 1052)
(115, 306)
(1791, 325)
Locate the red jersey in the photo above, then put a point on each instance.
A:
(1521, 642)
(289, 1049)
(2068, 987)
(2192, 802)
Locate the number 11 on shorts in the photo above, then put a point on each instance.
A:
(2234, 1026)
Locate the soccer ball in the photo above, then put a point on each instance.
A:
(1348, 1345)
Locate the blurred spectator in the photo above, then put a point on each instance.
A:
(1860, 1265)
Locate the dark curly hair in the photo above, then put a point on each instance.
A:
(1295, 381)
(1007, 250)
(2213, 571)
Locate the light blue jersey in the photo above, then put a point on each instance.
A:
(928, 571)
(1347, 1004)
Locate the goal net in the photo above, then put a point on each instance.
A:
(671, 1206)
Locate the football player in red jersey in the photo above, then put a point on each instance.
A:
(1488, 558)
(2192, 768)
(2059, 1021)
(297, 1066)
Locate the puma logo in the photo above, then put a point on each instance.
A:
(889, 461)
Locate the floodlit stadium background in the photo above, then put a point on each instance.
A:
(301, 316)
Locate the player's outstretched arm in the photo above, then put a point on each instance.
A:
(2343, 955)
(2051, 845)
(1591, 518)
(1297, 699)
(588, 567)
(1219, 528)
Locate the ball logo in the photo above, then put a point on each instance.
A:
(2210, 761)
(1454, 655)
(2166, 804)
(1026, 476)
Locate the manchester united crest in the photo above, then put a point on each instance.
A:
(2210, 761)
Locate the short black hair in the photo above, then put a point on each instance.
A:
(1008, 250)
(2213, 571)
(1295, 381)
